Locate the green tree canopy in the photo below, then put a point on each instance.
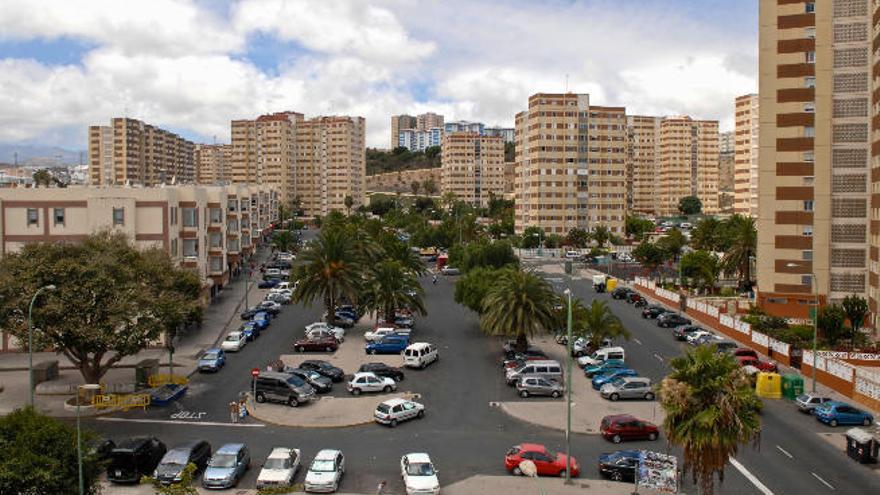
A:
(182, 487)
(283, 240)
(743, 247)
(497, 254)
(701, 267)
(637, 227)
(690, 205)
(601, 234)
(672, 243)
(600, 323)
(578, 238)
(390, 286)
(709, 234)
(472, 287)
(519, 304)
(856, 309)
(532, 237)
(331, 268)
(648, 254)
(832, 320)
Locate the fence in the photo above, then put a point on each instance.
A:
(164, 379)
(121, 401)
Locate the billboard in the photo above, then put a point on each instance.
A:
(658, 472)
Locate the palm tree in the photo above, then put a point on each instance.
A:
(332, 268)
(599, 323)
(283, 240)
(349, 202)
(738, 258)
(519, 304)
(390, 286)
(711, 408)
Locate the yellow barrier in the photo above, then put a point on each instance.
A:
(164, 379)
(121, 401)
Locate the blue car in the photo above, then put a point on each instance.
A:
(251, 330)
(212, 360)
(268, 283)
(607, 377)
(390, 344)
(840, 413)
(227, 466)
(262, 319)
(611, 364)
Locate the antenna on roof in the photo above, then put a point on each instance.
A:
(566, 83)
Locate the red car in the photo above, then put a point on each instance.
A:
(745, 351)
(326, 344)
(620, 427)
(757, 363)
(549, 463)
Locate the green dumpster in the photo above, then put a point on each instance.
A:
(792, 386)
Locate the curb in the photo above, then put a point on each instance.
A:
(503, 407)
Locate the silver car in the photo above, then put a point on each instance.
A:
(806, 403)
(628, 387)
(535, 385)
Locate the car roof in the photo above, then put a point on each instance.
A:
(837, 403)
(279, 452)
(628, 379)
(213, 349)
(619, 417)
(132, 443)
(235, 332)
(418, 457)
(621, 453)
(327, 455)
(230, 448)
(532, 446)
(394, 402)
(363, 373)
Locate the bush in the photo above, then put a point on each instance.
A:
(727, 292)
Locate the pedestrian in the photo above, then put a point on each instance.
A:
(434, 279)
(380, 490)
(242, 408)
(233, 411)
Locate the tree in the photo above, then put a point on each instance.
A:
(701, 267)
(637, 227)
(429, 186)
(496, 254)
(283, 240)
(39, 456)
(182, 487)
(711, 408)
(42, 177)
(856, 309)
(707, 234)
(744, 243)
(349, 202)
(649, 255)
(600, 323)
(690, 205)
(389, 286)
(672, 243)
(578, 238)
(112, 299)
(519, 304)
(432, 152)
(415, 186)
(472, 287)
(331, 268)
(601, 235)
(532, 237)
(831, 320)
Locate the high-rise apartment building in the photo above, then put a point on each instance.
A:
(130, 151)
(746, 155)
(213, 163)
(472, 167)
(263, 151)
(508, 134)
(429, 120)
(244, 152)
(570, 164)
(726, 168)
(400, 123)
(815, 154)
(331, 163)
(420, 140)
(688, 164)
(643, 153)
(464, 126)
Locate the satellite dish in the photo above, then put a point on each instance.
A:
(528, 468)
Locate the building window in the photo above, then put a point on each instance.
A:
(232, 245)
(216, 264)
(809, 131)
(174, 252)
(216, 215)
(215, 240)
(809, 156)
(807, 255)
(810, 82)
(190, 217)
(232, 226)
(173, 215)
(118, 216)
(808, 230)
(810, 33)
(33, 217)
(233, 205)
(810, 7)
(811, 57)
(190, 248)
(58, 215)
(808, 205)
(806, 280)
(810, 107)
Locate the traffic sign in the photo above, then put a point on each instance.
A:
(255, 372)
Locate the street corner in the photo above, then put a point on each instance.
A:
(326, 412)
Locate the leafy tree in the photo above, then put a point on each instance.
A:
(182, 487)
(831, 320)
(637, 227)
(112, 299)
(390, 286)
(283, 240)
(743, 247)
(690, 205)
(856, 309)
(331, 268)
(39, 456)
(552, 241)
(701, 267)
(472, 287)
(600, 323)
(519, 304)
(577, 238)
(415, 186)
(349, 202)
(649, 255)
(432, 152)
(601, 235)
(42, 177)
(500, 208)
(496, 254)
(532, 237)
(429, 186)
(711, 408)
(672, 243)
(708, 234)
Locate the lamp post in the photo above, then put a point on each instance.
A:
(568, 379)
(540, 244)
(815, 321)
(31, 339)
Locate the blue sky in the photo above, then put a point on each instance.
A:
(193, 65)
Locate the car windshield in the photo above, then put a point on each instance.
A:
(275, 464)
(420, 469)
(296, 381)
(211, 355)
(383, 408)
(323, 466)
(180, 457)
(313, 375)
(233, 337)
(803, 398)
(223, 461)
(617, 382)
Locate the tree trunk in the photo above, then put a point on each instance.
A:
(522, 343)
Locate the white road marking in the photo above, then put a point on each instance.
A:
(785, 452)
(659, 357)
(178, 422)
(751, 477)
(637, 341)
(823, 481)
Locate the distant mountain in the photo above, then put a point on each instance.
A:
(30, 154)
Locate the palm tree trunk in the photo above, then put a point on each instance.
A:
(522, 343)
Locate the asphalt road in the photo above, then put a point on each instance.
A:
(464, 434)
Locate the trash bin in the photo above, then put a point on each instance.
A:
(769, 385)
(792, 386)
(862, 446)
(611, 284)
(144, 370)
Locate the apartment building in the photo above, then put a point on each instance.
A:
(429, 120)
(570, 164)
(746, 155)
(464, 126)
(399, 123)
(244, 167)
(688, 164)
(129, 151)
(643, 153)
(213, 163)
(264, 151)
(331, 163)
(814, 155)
(874, 240)
(420, 140)
(508, 134)
(472, 167)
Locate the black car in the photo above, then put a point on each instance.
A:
(382, 369)
(670, 320)
(621, 292)
(620, 465)
(170, 468)
(250, 312)
(681, 332)
(324, 368)
(318, 381)
(653, 311)
(134, 458)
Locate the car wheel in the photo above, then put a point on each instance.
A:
(614, 397)
(652, 437)
(555, 394)
(355, 391)
(261, 397)
(421, 414)
(866, 422)
(833, 422)
(387, 389)
(301, 349)
(524, 394)
(393, 423)
(517, 471)
(616, 439)
(649, 396)
(292, 402)
(616, 476)
(561, 473)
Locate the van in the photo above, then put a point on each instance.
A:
(549, 369)
(134, 458)
(419, 355)
(602, 355)
(284, 388)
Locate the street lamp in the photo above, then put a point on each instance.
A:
(815, 320)
(568, 379)
(31, 339)
(79, 460)
(540, 244)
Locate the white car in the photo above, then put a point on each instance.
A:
(234, 342)
(419, 475)
(338, 332)
(370, 382)
(268, 304)
(280, 468)
(572, 255)
(696, 335)
(288, 286)
(286, 257)
(326, 472)
(279, 297)
(378, 333)
(624, 257)
(391, 412)
(273, 272)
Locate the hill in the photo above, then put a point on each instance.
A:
(399, 159)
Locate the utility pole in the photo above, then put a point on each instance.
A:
(568, 379)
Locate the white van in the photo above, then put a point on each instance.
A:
(548, 369)
(602, 355)
(420, 354)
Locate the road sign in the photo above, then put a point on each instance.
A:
(255, 372)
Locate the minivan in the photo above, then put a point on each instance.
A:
(419, 355)
(602, 355)
(545, 369)
(283, 387)
(134, 458)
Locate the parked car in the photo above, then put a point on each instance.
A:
(327, 344)
(234, 342)
(267, 283)
(280, 468)
(620, 427)
(681, 333)
(271, 307)
(548, 369)
(403, 321)
(227, 466)
(628, 387)
(547, 462)
(757, 363)
(262, 319)
(394, 411)
(325, 472)
(170, 468)
(653, 311)
(746, 352)
(603, 378)
(601, 355)
(337, 332)
(273, 272)
(278, 297)
(705, 340)
(693, 336)
(611, 364)
(318, 381)
(419, 475)
(390, 344)
(324, 368)
(321, 333)
(620, 465)
(280, 387)
(250, 330)
(382, 370)
(134, 458)
(834, 413)
(448, 270)
(806, 403)
(670, 320)
(250, 312)
(535, 385)
(723, 345)
(212, 360)
(621, 292)
(530, 354)
(379, 332)
(633, 297)
(370, 382)
(420, 354)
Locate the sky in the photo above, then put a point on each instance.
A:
(191, 66)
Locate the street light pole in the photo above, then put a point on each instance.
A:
(31, 339)
(568, 379)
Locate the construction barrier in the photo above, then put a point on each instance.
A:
(121, 401)
(165, 379)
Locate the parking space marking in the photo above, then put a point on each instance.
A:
(785, 452)
(179, 422)
(823, 481)
(658, 356)
(751, 477)
(637, 341)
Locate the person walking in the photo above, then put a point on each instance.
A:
(380, 490)
(233, 411)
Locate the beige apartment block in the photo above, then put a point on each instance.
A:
(688, 164)
(814, 154)
(331, 163)
(643, 154)
(874, 242)
(213, 163)
(472, 167)
(399, 123)
(746, 155)
(570, 164)
(264, 151)
(244, 168)
(427, 121)
(130, 151)
(509, 178)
